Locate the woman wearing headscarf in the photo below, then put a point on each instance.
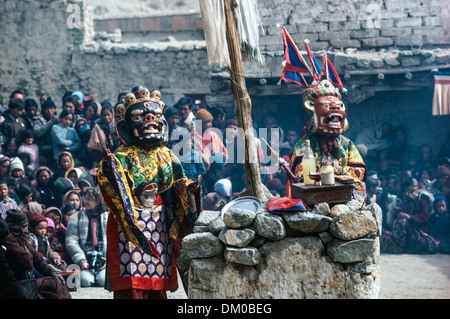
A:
(47, 193)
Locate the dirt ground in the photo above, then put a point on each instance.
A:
(402, 277)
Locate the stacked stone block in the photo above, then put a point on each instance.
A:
(320, 253)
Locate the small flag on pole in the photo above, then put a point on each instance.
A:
(317, 71)
(293, 58)
(294, 64)
(331, 73)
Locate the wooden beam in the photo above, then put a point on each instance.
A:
(243, 104)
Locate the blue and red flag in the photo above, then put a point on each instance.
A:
(331, 73)
(295, 65)
(317, 71)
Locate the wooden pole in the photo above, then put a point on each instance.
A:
(243, 104)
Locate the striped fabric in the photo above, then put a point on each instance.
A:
(441, 98)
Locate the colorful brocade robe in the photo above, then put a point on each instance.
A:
(349, 160)
(164, 224)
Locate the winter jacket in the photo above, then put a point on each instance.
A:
(77, 233)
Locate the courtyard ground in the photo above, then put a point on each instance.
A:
(403, 276)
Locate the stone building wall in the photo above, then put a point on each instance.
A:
(384, 51)
(44, 53)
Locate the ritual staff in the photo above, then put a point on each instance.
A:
(325, 124)
(151, 201)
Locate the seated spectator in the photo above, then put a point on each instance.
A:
(292, 137)
(209, 142)
(373, 142)
(220, 115)
(10, 287)
(93, 113)
(215, 172)
(74, 175)
(62, 185)
(5, 163)
(191, 160)
(64, 136)
(220, 197)
(410, 226)
(373, 187)
(37, 237)
(67, 210)
(17, 175)
(56, 245)
(425, 161)
(6, 202)
(46, 190)
(439, 223)
(73, 197)
(102, 136)
(27, 145)
(14, 125)
(441, 184)
(64, 163)
(23, 258)
(86, 239)
(10, 148)
(30, 113)
(59, 229)
(25, 194)
(42, 127)
(186, 117)
(171, 116)
(399, 151)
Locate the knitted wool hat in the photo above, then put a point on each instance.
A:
(48, 103)
(16, 163)
(16, 219)
(34, 219)
(50, 223)
(203, 115)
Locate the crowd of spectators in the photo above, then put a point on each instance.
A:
(48, 165)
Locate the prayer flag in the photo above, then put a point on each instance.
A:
(292, 57)
(317, 71)
(331, 73)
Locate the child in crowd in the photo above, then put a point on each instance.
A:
(64, 136)
(73, 197)
(56, 245)
(10, 147)
(55, 214)
(27, 145)
(17, 175)
(439, 223)
(67, 210)
(6, 202)
(37, 236)
(74, 175)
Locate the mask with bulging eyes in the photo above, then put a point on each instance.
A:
(143, 125)
(326, 109)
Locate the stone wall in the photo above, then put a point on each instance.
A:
(382, 58)
(44, 53)
(322, 253)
